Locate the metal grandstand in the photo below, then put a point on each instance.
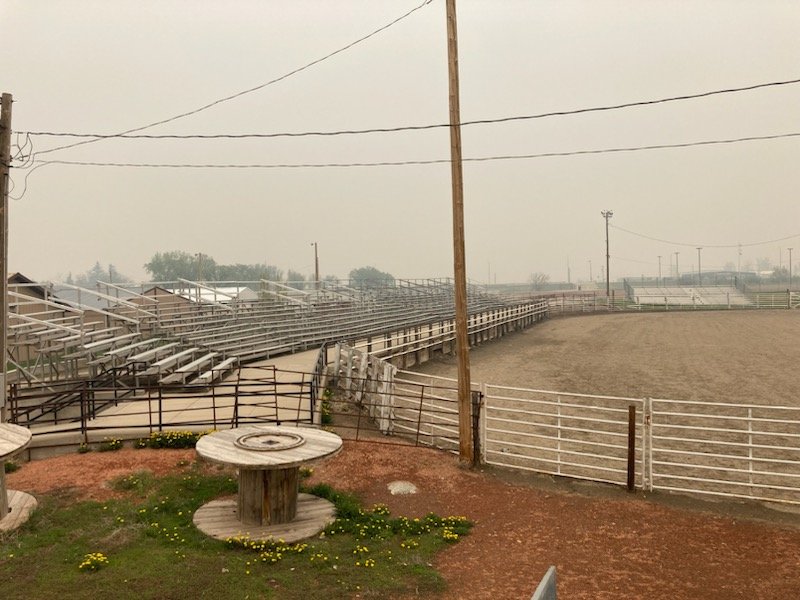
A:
(185, 332)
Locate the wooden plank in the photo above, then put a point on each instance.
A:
(218, 519)
(219, 447)
(20, 505)
(13, 438)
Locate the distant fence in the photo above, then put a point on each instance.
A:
(571, 303)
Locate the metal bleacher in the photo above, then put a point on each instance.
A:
(184, 333)
(697, 296)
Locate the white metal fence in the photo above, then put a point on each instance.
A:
(573, 435)
(710, 448)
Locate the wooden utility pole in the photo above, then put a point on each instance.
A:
(5, 167)
(466, 452)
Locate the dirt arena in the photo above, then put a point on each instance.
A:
(736, 356)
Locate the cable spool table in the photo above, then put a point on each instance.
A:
(15, 507)
(268, 504)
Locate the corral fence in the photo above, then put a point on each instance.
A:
(731, 450)
(572, 303)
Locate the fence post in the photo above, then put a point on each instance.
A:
(647, 444)
(160, 410)
(631, 447)
(477, 400)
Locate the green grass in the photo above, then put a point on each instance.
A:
(154, 551)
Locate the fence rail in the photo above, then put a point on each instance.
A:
(709, 448)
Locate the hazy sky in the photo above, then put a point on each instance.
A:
(107, 66)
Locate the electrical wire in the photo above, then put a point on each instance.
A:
(559, 113)
(417, 162)
(250, 90)
(701, 245)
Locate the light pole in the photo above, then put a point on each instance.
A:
(607, 214)
(590, 270)
(699, 270)
(659, 271)
(790, 269)
(316, 264)
(677, 270)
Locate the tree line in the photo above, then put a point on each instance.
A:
(174, 265)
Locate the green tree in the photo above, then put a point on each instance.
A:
(174, 265)
(370, 277)
(97, 273)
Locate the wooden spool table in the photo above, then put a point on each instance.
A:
(15, 507)
(268, 504)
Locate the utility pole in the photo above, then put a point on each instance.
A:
(316, 264)
(790, 268)
(659, 271)
(465, 446)
(5, 167)
(699, 270)
(739, 263)
(607, 214)
(677, 271)
(590, 270)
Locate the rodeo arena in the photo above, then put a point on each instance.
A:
(125, 361)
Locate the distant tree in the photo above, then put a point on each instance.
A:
(241, 272)
(763, 264)
(370, 277)
(295, 279)
(174, 265)
(780, 274)
(97, 273)
(171, 266)
(538, 279)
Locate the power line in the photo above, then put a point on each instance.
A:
(250, 90)
(695, 244)
(237, 136)
(418, 162)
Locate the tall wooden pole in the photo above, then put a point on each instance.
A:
(5, 166)
(466, 453)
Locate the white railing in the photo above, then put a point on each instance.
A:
(573, 435)
(709, 448)
(736, 450)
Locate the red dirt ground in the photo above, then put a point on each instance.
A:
(605, 544)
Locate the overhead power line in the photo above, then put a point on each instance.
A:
(247, 91)
(704, 245)
(415, 162)
(236, 136)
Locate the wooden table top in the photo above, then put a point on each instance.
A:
(268, 446)
(13, 438)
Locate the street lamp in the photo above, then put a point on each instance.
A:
(659, 271)
(699, 270)
(607, 214)
(316, 264)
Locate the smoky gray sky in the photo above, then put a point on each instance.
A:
(105, 67)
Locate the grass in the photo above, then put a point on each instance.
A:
(144, 545)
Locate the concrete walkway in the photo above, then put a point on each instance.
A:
(269, 390)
